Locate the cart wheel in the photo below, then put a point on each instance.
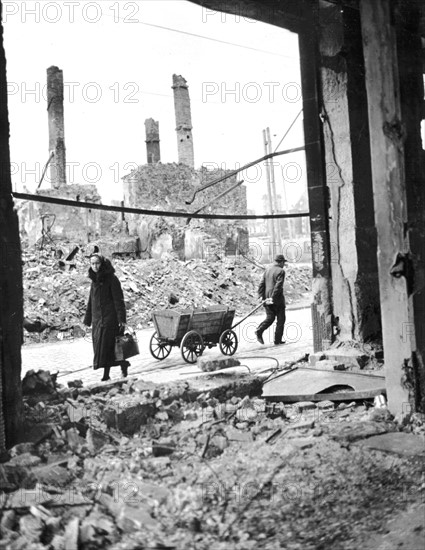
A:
(160, 350)
(192, 346)
(228, 342)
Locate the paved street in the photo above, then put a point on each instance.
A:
(72, 359)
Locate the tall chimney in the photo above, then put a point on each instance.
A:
(152, 141)
(183, 120)
(56, 127)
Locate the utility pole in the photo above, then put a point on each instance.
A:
(270, 196)
(273, 187)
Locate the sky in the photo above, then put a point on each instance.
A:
(118, 59)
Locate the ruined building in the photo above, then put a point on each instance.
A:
(43, 222)
(158, 186)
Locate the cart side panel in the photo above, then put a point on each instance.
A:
(228, 320)
(208, 324)
(183, 326)
(171, 324)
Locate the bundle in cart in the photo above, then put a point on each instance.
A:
(193, 330)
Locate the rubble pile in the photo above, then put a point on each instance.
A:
(193, 468)
(56, 291)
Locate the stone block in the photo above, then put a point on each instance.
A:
(208, 365)
(128, 415)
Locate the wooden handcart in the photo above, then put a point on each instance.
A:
(193, 331)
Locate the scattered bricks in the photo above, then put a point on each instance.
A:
(220, 442)
(53, 475)
(340, 366)
(356, 430)
(26, 460)
(343, 406)
(275, 410)
(315, 357)
(15, 477)
(75, 441)
(75, 384)
(350, 357)
(380, 415)
(96, 440)
(325, 405)
(22, 448)
(131, 519)
(209, 365)
(163, 448)
(40, 382)
(128, 415)
(305, 406)
(190, 415)
(30, 528)
(303, 425)
(246, 414)
(233, 434)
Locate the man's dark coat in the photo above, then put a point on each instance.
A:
(105, 309)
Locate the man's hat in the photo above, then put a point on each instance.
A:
(280, 258)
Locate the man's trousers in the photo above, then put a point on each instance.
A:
(273, 312)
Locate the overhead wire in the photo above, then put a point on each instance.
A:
(195, 35)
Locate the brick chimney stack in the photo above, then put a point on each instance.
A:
(56, 127)
(152, 141)
(183, 120)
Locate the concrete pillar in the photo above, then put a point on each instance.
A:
(355, 287)
(183, 120)
(317, 192)
(400, 266)
(410, 58)
(11, 293)
(152, 141)
(56, 127)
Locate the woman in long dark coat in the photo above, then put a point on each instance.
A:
(106, 312)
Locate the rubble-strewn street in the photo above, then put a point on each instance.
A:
(133, 465)
(56, 291)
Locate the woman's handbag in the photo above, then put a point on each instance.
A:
(126, 346)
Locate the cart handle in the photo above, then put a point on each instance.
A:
(251, 312)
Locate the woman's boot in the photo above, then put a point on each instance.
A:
(106, 374)
(124, 368)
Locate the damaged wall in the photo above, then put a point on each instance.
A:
(355, 285)
(75, 224)
(167, 187)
